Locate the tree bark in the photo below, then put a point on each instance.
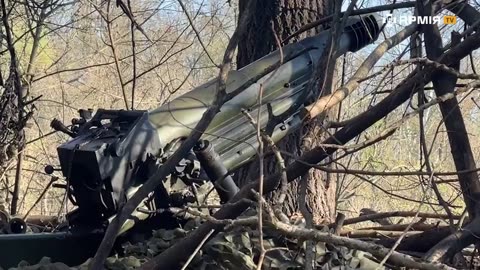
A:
(273, 21)
(444, 83)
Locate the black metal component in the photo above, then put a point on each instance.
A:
(216, 171)
(62, 186)
(103, 161)
(85, 114)
(17, 226)
(59, 126)
(188, 169)
(49, 169)
(363, 30)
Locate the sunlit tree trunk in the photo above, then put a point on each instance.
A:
(282, 18)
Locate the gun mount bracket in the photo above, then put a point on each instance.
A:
(215, 170)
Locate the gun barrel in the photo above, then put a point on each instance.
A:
(230, 131)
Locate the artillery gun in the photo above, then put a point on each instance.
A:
(113, 152)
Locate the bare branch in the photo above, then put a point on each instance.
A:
(327, 102)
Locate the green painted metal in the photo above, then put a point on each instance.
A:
(230, 131)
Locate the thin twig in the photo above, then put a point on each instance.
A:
(200, 245)
(184, 8)
(114, 52)
(134, 54)
(399, 240)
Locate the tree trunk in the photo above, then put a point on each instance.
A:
(285, 17)
(443, 83)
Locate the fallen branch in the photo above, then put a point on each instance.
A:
(380, 252)
(401, 227)
(376, 233)
(418, 243)
(376, 250)
(455, 242)
(189, 213)
(395, 214)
